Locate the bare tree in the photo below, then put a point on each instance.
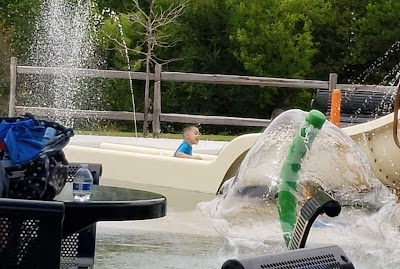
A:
(152, 22)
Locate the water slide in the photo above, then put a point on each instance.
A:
(376, 139)
(153, 166)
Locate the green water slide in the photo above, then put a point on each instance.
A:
(290, 171)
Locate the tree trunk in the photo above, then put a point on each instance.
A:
(146, 96)
(148, 56)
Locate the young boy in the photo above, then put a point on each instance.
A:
(191, 136)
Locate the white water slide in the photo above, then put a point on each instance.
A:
(376, 139)
(152, 166)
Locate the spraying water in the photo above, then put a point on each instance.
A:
(391, 79)
(64, 37)
(113, 15)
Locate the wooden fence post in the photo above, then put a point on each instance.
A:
(332, 81)
(157, 102)
(13, 86)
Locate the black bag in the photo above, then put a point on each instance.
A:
(44, 176)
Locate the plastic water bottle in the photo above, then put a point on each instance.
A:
(6, 161)
(82, 184)
(48, 135)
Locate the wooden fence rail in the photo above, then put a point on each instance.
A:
(158, 77)
(125, 115)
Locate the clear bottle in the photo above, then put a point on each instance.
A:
(82, 184)
(49, 135)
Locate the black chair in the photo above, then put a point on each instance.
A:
(30, 234)
(78, 250)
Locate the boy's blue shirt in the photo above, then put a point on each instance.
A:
(185, 148)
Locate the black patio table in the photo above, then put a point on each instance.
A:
(109, 204)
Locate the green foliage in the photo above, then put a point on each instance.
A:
(273, 38)
(121, 6)
(204, 47)
(19, 16)
(204, 43)
(115, 35)
(119, 38)
(5, 54)
(118, 97)
(377, 47)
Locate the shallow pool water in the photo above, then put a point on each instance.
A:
(152, 249)
(189, 240)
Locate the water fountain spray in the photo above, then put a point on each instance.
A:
(64, 37)
(113, 15)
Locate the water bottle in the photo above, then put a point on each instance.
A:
(82, 184)
(6, 161)
(49, 135)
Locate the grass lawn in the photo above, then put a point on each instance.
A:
(162, 135)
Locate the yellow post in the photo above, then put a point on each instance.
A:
(336, 102)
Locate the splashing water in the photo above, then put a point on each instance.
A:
(246, 213)
(379, 62)
(392, 78)
(113, 15)
(64, 37)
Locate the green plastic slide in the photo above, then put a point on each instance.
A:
(290, 171)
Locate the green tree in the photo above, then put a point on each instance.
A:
(335, 38)
(152, 22)
(203, 48)
(5, 54)
(117, 34)
(275, 39)
(377, 47)
(121, 6)
(19, 17)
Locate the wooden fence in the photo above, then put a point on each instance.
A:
(159, 76)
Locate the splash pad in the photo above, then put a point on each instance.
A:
(245, 216)
(252, 222)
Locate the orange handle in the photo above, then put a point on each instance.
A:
(336, 102)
